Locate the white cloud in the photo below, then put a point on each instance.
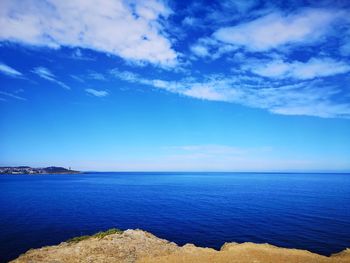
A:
(48, 75)
(97, 93)
(96, 76)
(189, 21)
(310, 98)
(131, 29)
(77, 78)
(200, 50)
(345, 45)
(10, 95)
(315, 67)
(275, 29)
(207, 91)
(242, 6)
(127, 76)
(7, 70)
(321, 109)
(77, 54)
(44, 73)
(211, 48)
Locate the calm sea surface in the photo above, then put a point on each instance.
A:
(307, 211)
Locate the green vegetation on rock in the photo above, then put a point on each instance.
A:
(99, 235)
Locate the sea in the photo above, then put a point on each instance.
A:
(294, 210)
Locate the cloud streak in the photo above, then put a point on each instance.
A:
(310, 98)
(48, 75)
(97, 93)
(315, 67)
(9, 71)
(10, 95)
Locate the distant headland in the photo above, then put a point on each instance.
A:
(30, 170)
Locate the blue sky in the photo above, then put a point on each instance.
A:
(175, 85)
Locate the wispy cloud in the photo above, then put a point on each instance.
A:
(211, 48)
(10, 95)
(276, 29)
(48, 75)
(242, 6)
(273, 29)
(7, 70)
(126, 75)
(77, 78)
(315, 67)
(132, 29)
(44, 73)
(96, 76)
(97, 93)
(200, 50)
(310, 98)
(78, 55)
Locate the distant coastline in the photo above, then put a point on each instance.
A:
(18, 170)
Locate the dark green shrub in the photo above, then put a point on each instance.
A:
(99, 235)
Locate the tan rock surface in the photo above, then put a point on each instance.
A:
(141, 247)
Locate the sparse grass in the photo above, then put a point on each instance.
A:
(111, 231)
(99, 235)
(77, 239)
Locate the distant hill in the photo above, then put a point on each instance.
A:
(54, 169)
(30, 170)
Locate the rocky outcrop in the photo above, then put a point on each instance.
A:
(142, 247)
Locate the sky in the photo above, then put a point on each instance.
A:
(230, 85)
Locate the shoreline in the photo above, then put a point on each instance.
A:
(40, 173)
(27, 170)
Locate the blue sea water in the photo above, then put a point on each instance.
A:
(306, 211)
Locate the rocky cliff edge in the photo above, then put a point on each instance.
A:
(139, 246)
